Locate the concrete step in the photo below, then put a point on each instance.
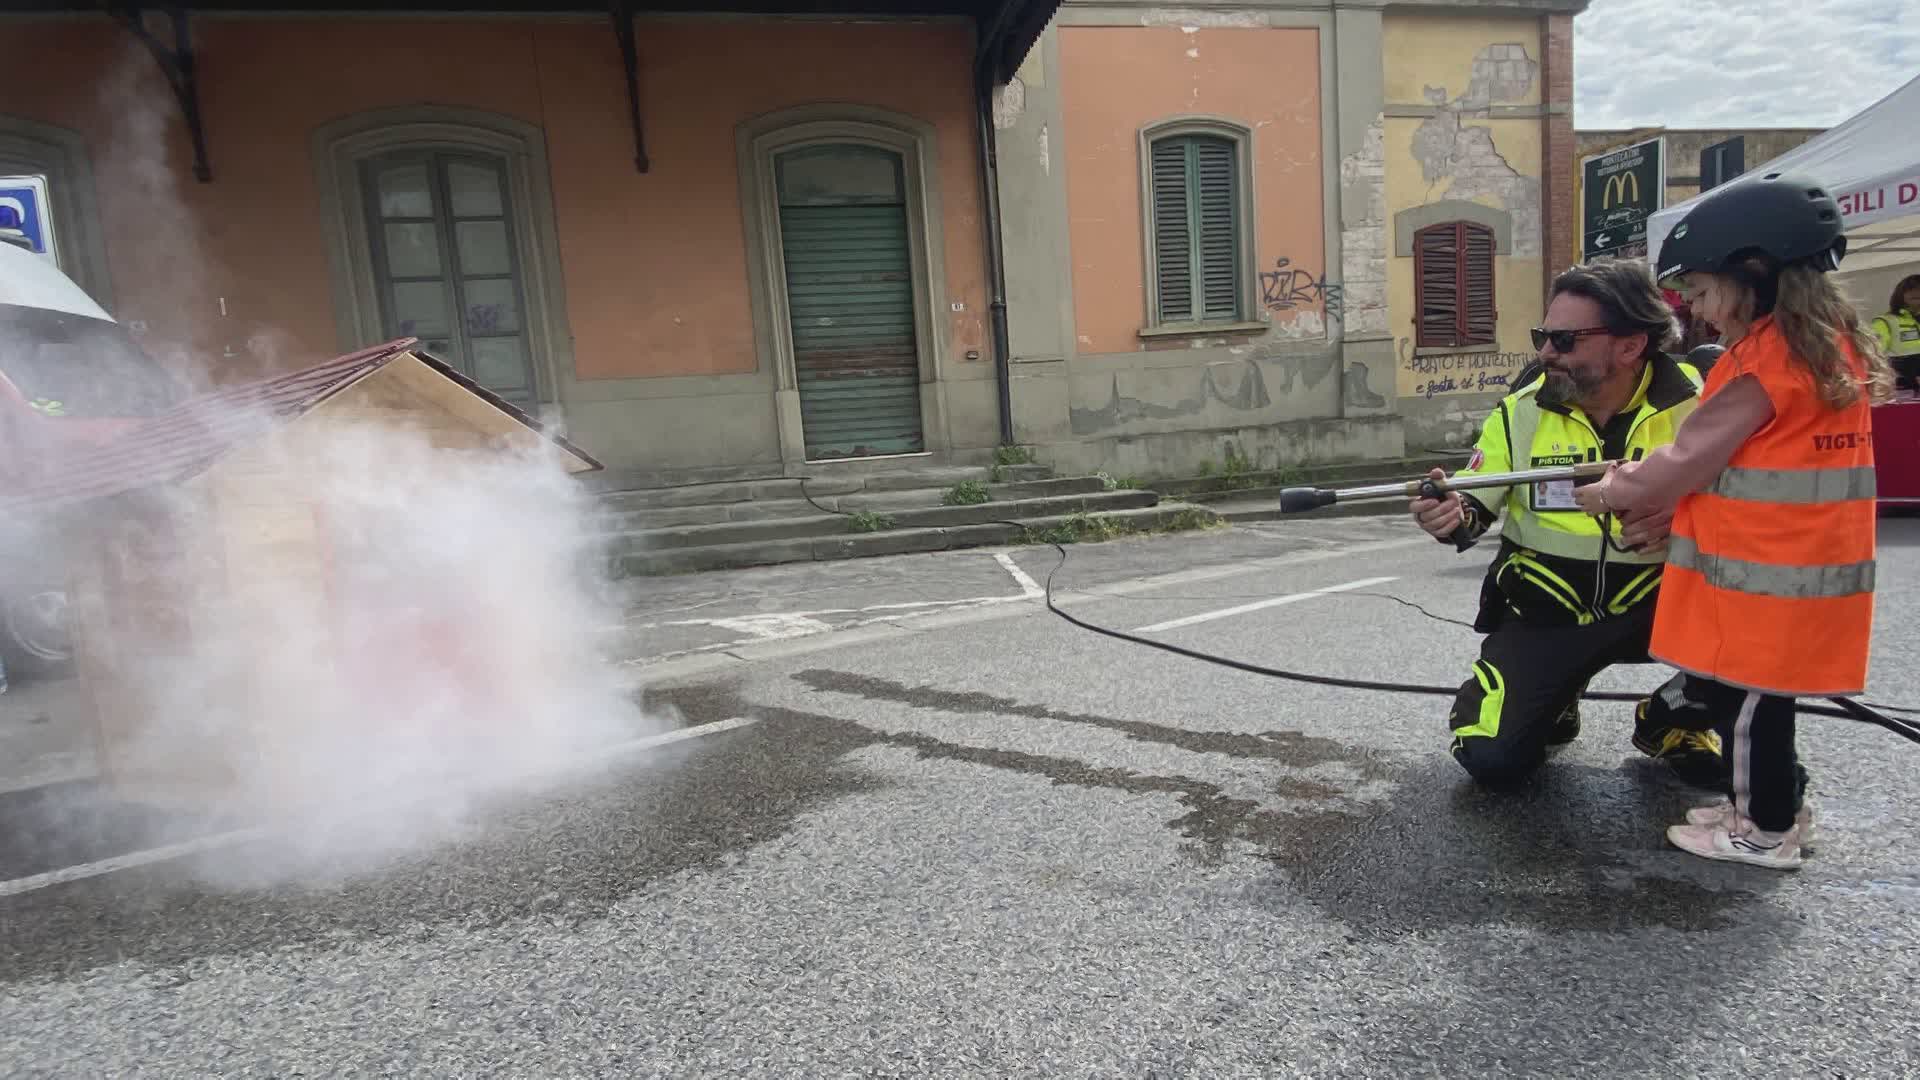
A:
(1083, 527)
(667, 517)
(817, 524)
(830, 483)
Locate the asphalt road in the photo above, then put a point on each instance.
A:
(964, 837)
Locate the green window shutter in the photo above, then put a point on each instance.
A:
(1218, 228)
(1172, 231)
(1196, 228)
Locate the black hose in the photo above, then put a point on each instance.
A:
(1851, 710)
(1843, 708)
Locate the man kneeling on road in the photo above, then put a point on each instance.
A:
(1558, 606)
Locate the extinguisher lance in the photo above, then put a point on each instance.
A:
(1300, 500)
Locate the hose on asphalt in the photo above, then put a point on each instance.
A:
(1844, 708)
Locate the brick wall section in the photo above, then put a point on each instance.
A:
(1556, 171)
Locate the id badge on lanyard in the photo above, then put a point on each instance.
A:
(1554, 495)
(1549, 496)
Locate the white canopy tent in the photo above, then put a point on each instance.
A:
(1871, 163)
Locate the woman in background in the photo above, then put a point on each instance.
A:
(1898, 329)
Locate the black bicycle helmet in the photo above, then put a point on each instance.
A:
(1703, 357)
(1785, 217)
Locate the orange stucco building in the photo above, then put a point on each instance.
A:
(774, 234)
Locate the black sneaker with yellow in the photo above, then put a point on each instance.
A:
(1678, 729)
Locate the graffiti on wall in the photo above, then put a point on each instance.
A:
(1432, 376)
(1287, 288)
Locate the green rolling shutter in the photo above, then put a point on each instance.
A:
(850, 298)
(1196, 229)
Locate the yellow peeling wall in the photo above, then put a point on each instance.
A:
(1463, 123)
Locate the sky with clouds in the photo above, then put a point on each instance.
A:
(1739, 63)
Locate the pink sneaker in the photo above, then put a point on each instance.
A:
(1742, 843)
(1721, 813)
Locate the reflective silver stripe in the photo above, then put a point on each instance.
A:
(1796, 485)
(1772, 579)
(1742, 749)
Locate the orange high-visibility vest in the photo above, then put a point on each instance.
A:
(1769, 579)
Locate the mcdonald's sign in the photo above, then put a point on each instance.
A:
(1619, 190)
(1617, 186)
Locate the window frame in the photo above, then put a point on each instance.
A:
(1462, 337)
(340, 147)
(1248, 313)
(1725, 154)
(446, 224)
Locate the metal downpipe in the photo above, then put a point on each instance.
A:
(996, 256)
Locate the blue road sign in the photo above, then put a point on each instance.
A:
(23, 206)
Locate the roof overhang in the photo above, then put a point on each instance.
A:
(1005, 31)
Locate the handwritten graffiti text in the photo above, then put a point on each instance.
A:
(1446, 362)
(1479, 382)
(1286, 287)
(1435, 374)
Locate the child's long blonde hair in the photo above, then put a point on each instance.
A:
(1813, 316)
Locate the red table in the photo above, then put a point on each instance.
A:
(1896, 451)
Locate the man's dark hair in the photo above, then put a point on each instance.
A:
(1630, 303)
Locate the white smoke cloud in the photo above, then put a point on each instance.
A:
(420, 644)
(366, 676)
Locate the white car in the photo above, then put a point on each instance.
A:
(69, 376)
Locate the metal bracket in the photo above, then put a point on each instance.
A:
(176, 63)
(621, 11)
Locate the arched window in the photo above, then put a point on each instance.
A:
(443, 230)
(1198, 222)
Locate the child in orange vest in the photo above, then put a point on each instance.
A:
(1768, 589)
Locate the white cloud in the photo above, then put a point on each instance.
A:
(1738, 63)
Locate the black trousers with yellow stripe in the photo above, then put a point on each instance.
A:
(1527, 674)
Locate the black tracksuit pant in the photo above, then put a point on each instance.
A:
(1765, 780)
(1527, 674)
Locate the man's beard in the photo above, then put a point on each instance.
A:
(1559, 386)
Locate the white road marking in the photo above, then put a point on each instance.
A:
(731, 622)
(771, 624)
(680, 735)
(128, 861)
(1259, 605)
(1028, 587)
(241, 836)
(637, 666)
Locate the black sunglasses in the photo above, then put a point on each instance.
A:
(1563, 339)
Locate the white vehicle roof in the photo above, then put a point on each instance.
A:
(30, 280)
